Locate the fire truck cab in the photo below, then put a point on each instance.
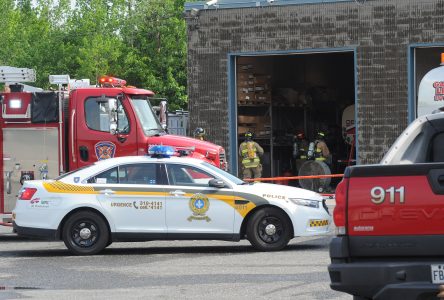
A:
(46, 133)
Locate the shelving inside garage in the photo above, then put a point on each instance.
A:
(280, 95)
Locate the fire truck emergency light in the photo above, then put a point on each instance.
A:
(58, 79)
(108, 81)
(15, 103)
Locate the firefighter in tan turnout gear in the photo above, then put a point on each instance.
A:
(321, 151)
(250, 153)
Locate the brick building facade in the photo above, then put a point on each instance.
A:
(392, 44)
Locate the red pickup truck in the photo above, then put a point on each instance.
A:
(390, 220)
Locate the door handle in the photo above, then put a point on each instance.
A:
(107, 192)
(121, 138)
(177, 193)
(441, 179)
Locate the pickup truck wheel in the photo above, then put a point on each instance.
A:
(269, 229)
(85, 233)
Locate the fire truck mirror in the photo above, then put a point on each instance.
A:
(163, 114)
(113, 128)
(112, 105)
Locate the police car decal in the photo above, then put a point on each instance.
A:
(199, 205)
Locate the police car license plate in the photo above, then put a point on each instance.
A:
(438, 273)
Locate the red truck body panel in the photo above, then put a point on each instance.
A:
(409, 207)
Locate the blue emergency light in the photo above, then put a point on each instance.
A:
(161, 151)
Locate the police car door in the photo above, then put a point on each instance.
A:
(193, 208)
(134, 197)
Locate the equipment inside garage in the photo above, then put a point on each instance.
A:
(279, 96)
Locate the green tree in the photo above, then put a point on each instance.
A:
(156, 34)
(142, 41)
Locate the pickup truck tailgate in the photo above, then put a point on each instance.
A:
(392, 213)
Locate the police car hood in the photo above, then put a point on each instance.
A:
(278, 192)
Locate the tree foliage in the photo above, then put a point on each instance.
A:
(142, 41)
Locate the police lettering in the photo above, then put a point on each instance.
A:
(121, 204)
(273, 196)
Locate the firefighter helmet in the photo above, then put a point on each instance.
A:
(320, 135)
(199, 132)
(248, 135)
(300, 135)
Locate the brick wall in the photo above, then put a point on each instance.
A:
(381, 31)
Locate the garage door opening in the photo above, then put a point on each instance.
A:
(279, 96)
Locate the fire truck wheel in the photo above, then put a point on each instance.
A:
(85, 233)
(269, 229)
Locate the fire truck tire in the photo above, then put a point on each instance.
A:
(269, 229)
(85, 233)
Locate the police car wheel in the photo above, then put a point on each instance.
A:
(269, 229)
(85, 233)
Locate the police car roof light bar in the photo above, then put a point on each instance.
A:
(160, 151)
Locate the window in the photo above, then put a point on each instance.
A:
(187, 175)
(109, 176)
(98, 112)
(438, 148)
(128, 174)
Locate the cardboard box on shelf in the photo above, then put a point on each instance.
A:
(245, 96)
(245, 76)
(246, 89)
(245, 83)
(241, 119)
(245, 68)
(241, 130)
(261, 79)
(263, 97)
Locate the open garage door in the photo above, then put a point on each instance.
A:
(279, 96)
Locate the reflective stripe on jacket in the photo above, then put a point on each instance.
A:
(249, 155)
(318, 153)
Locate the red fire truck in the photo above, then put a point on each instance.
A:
(46, 133)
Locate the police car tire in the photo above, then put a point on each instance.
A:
(256, 229)
(93, 223)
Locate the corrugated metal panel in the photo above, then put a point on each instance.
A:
(226, 4)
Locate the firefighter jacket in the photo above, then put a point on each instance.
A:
(302, 149)
(321, 151)
(250, 151)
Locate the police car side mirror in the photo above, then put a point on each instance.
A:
(217, 183)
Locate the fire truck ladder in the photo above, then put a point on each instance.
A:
(14, 75)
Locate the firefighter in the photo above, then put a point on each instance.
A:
(250, 153)
(199, 133)
(321, 151)
(300, 148)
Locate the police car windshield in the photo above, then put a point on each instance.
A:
(70, 172)
(148, 120)
(232, 178)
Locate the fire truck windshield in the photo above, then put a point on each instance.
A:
(147, 118)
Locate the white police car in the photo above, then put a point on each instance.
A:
(145, 198)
